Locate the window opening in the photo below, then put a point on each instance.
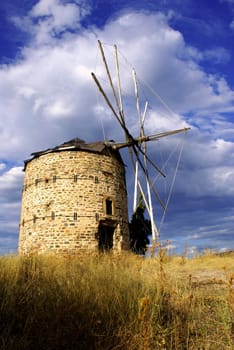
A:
(75, 215)
(54, 178)
(109, 210)
(52, 215)
(96, 180)
(75, 178)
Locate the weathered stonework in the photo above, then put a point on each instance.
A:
(74, 200)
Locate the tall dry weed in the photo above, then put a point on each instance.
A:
(116, 302)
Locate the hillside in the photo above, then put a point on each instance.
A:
(117, 302)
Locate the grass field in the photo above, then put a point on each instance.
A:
(117, 302)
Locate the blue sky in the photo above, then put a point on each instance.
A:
(182, 51)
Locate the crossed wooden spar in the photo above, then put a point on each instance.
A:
(136, 145)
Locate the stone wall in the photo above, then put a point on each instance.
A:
(66, 198)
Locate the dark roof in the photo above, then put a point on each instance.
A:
(77, 144)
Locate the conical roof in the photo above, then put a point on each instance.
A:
(78, 144)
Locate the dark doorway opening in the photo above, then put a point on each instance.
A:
(106, 234)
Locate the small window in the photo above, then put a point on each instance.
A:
(75, 216)
(75, 178)
(97, 216)
(96, 180)
(52, 215)
(34, 219)
(109, 210)
(46, 180)
(36, 182)
(54, 178)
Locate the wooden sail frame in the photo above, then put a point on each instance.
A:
(136, 145)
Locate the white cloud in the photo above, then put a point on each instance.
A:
(167, 63)
(10, 189)
(54, 17)
(49, 19)
(217, 55)
(11, 179)
(2, 166)
(62, 14)
(211, 181)
(48, 96)
(207, 168)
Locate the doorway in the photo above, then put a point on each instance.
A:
(105, 242)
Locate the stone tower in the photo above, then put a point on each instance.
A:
(74, 199)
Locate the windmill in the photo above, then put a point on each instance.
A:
(137, 146)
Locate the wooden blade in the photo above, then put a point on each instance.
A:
(108, 102)
(121, 112)
(109, 77)
(137, 101)
(155, 137)
(158, 197)
(151, 162)
(153, 225)
(145, 171)
(135, 188)
(130, 140)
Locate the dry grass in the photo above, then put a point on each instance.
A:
(117, 302)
